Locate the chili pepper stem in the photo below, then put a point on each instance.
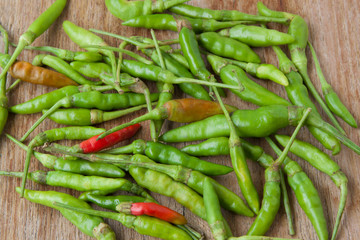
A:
(13, 85)
(343, 197)
(29, 154)
(65, 102)
(211, 84)
(129, 40)
(286, 203)
(12, 174)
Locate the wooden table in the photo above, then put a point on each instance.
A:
(335, 34)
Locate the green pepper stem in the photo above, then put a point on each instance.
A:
(64, 102)
(18, 50)
(324, 84)
(260, 238)
(283, 155)
(343, 197)
(129, 40)
(13, 85)
(286, 202)
(29, 153)
(116, 114)
(127, 52)
(12, 174)
(115, 216)
(211, 84)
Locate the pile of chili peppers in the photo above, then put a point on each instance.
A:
(225, 38)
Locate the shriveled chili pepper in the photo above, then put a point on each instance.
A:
(90, 225)
(3, 98)
(63, 67)
(325, 164)
(228, 47)
(171, 22)
(179, 110)
(192, 178)
(298, 95)
(305, 192)
(260, 122)
(194, 90)
(110, 202)
(83, 37)
(299, 30)
(152, 210)
(221, 15)
(125, 9)
(272, 192)
(256, 36)
(38, 27)
(68, 55)
(252, 92)
(331, 98)
(213, 212)
(142, 224)
(81, 183)
(86, 117)
(47, 100)
(262, 71)
(75, 166)
(71, 133)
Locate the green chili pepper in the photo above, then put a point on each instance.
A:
(324, 163)
(38, 27)
(262, 71)
(3, 99)
(257, 36)
(83, 37)
(110, 202)
(75, 166)
(331, 98)
(142, 224)
(252, 92)
(194, 90)
(167, 154)
(221, 15)
(299, 30)
(125, 9)
(90, 225)
(260, 122)
(271, 200)
(63, 67)
(213, 212)
(68, 55)
(298, 95)
(170, 22)
(86, 117)
(91, 69)
(305, 192)
(71, 133)
(228, 47)
(47, 100)
(192, 178)
(260, 238)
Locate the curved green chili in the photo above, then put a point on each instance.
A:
(91, 69)
(325, 164)
(90, 225)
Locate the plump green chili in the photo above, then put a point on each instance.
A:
(252, 92)
(167, 154)
(305, 192)
(38, 27)
(228, 47)
(324, 163)
(194, 90)
(125, 9)
(173, 23)
(91, 69)
(256, 36)
(298, 95)
(47, 100)
(331, 98)
(260, 122)
(74, 165)
(90, 225)
(63, 67)
(298, 29)
(71, 133)
(221, 15)
(87, 117)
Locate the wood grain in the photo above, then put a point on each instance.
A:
(335, 34)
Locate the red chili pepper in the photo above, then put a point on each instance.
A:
(92, 145)
(153, 210)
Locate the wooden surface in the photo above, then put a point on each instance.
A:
(335, 34)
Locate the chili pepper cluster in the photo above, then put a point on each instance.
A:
(225, 38)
